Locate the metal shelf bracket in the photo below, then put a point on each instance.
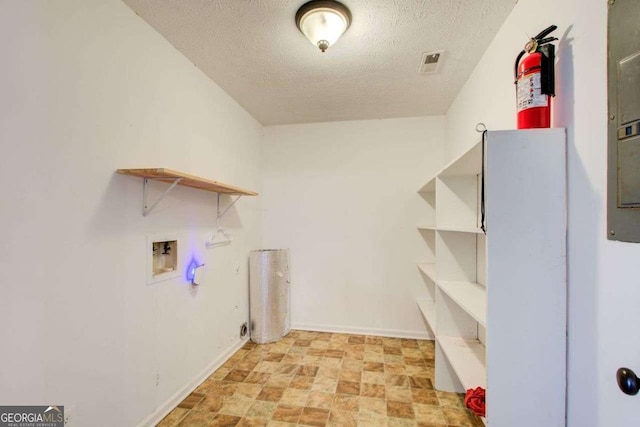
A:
(221, 214)
(146, 209)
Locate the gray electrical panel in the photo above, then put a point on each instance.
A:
(623, 187)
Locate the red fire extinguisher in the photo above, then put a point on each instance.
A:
(535, 81)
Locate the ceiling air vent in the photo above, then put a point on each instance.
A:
(431, 62)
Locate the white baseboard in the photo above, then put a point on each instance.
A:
(393, 333)
(179, 396)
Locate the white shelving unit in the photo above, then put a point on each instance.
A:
(470, 296)
(427, 308)
(467, 357)
(497, 302)
(455, 229)
(429, 270)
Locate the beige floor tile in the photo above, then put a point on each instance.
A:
(372, 406)
(295, 397)
(350, 375)
(279, 380)
(326, 372)
(235, 405)
(373, 377)
(399, 394)
(295, 359)
(268, 367)
(395, 368)
(450, 399)
(326, 385)
(370, 420)
(320, 400)
(430, 414)
(353, 364)
(261, 409)
(373, 357)
(400, 422)
(301, 382)
(331, 362)
(346, 402)
(248, 390)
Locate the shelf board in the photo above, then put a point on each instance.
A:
(470, 163)
(471, 297)
(429, 269)
(456, 229)
(468, 360)
(426, 227)
(429, 187)
(428, 309)
(169, 176)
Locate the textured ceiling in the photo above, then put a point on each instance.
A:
(254, 51)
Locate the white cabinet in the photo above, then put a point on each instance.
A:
(497, 302)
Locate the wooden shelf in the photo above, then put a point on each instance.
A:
(456, 229)
(468, 360)
(471, 297)
(429, 270)
(428, 309)
(169, 176)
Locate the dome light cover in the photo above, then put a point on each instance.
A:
(323, 22)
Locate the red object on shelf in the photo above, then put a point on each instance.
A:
(475, 400)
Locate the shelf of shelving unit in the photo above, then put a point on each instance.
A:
(470, 163)
(429, 269)
(428, 310)
(468, 360)
(427, 227)
(429, 187)
(456, 229)
(471, 297)
(170, 176)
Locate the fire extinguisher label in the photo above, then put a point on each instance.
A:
(530, 92)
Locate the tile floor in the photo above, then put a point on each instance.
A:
(318, 379)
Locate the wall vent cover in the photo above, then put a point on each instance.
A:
(431, 62)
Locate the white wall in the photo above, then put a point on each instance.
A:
(88, 87)
(342, 196)
(603, 284)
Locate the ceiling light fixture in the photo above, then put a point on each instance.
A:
(323, 21)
